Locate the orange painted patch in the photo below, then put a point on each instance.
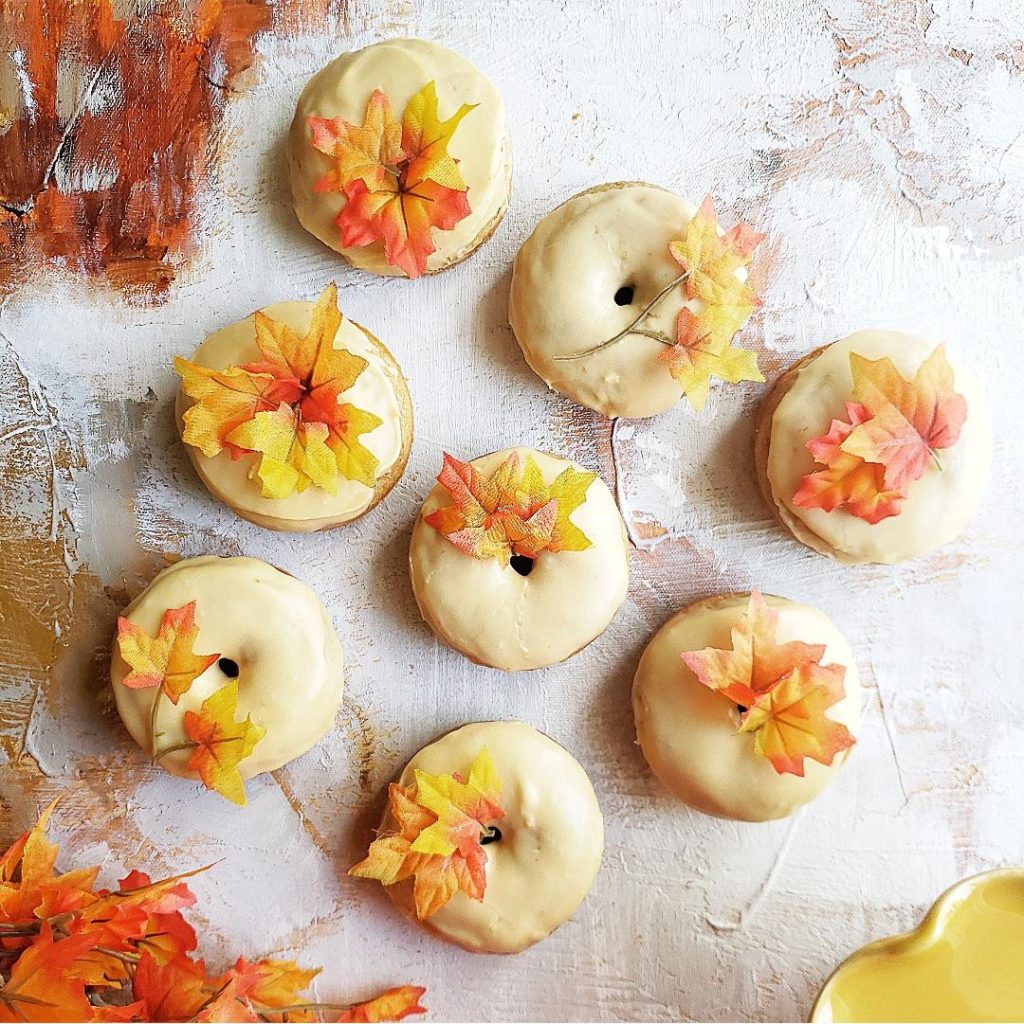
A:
(114, 133)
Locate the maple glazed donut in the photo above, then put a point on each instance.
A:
(627, 297)
(296, 417)
(399, 158)
(875, 448)
(519, 558)
(746, 706)
(529, 829)
(234, 640)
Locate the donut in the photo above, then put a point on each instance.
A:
(363, 178)
(528, 849)
(723, 688)
(295, 417)
(519, 558)
(875, 448)
(234, 636)
(581, 284)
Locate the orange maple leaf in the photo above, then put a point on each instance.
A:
(847, 481)
(782, 690)
(910, 420)
(703, 347)
(221, 743)
(512, 511)
(395, 1004)
(102, 946)
(172, 991)
(399, 180)
(29, 886)
(40, 986)
(286, 407)
(166, 660)
(441, 822)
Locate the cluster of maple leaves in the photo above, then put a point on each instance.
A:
(72, 952)
(398, 178)
(783, 690)
(168, 664)
(440, 823)
(703, 345)
(512, 511)
(895, 428)
(286, 407)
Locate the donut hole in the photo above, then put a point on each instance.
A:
(229, 667)
(492, 835)
(624, 296)
(522, 564)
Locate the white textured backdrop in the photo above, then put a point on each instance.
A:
(881, 147)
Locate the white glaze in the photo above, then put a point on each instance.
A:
(291, 669)
(562, 299)
(688, 731)
(400, 68)
(938, 504)
(551, 842)
(234, 481)
(495, 616)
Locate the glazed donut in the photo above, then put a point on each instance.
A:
(689, 732)
(271, 637)
(589, 268)
(233, 475)
(816, 396)
(549, 844)
(515, 606)
(351, 91)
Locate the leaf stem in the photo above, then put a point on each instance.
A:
(152, 721)
(190, 745)
(632, 327)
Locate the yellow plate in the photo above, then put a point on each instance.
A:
(963, 962)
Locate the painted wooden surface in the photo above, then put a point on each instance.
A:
(880, 145)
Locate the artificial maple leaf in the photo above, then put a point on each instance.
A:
(272, 983)
(395, 1004)
(783, 690)
(40, 987)
(910, 420)
(221, 742)
(224, 400)
(700, 354)
(166, 660)
(441, 820)
(28, 882)
(789, 721)
(512, 511)
(165, 932)
(171, 991)
(399, 181)
(286, 407)
(703, 346)
(847, 480)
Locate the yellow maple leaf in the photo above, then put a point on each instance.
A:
(221, 743)
(166, 660)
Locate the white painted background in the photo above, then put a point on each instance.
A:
(881, 146)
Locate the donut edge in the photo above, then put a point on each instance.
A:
(763, 421)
